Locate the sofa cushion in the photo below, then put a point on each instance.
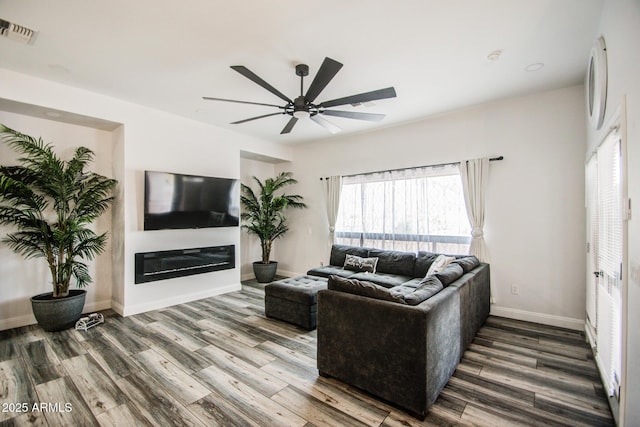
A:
(357, 264)
(339, 252)
(394, 262)
(429, 287)
(468, 263)
(439, 264)
(402, 290)
(413, 283)
(450, 274)
(364, 288)
(328, 270)
(423, 262)
(382, 279)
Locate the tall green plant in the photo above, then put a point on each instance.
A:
(263, 213)
(51, 203)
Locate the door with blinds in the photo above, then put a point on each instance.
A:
(604, 197)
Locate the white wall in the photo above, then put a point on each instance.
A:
(535, 207)
(21, 279)
(620, 26)
(117, 234)
(163, 142)
(148, 140)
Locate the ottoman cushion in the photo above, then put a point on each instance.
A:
(301, 289)
(294, 300)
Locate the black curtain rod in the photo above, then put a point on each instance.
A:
(492, 159)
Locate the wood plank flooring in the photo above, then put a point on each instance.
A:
(220, 362)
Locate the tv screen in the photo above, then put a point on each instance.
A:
(187, 201)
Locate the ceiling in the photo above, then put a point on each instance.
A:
(168, 54)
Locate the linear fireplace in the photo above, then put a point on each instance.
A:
(151, 266)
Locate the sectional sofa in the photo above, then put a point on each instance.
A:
(393, 332)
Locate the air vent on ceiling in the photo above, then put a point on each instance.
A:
(17, 32)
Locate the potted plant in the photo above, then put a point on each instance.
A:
(51, 203)
(264, 217)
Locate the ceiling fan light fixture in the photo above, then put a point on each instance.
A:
(301, 114)
(305, 106)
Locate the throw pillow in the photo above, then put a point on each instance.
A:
(356, 263)
(423, 262)
(439, 264)
(429, 286)
(363, 288)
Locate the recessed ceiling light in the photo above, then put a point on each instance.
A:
(494, 56)
(52, 114)
(534, 67)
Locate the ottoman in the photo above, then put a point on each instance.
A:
(294, 300)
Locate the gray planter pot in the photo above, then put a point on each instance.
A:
(57, 314)
(265, 273)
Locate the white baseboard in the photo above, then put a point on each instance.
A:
(29, 319)
(117, 307)
(181, 299)
(247, 276)
(545, 319)
(96, 306)
(17, 322)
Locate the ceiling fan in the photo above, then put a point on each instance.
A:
(305, 106)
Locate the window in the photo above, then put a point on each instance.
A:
(408, 210)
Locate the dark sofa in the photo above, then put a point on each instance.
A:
(376, 331)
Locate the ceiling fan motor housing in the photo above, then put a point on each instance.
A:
(300, 104)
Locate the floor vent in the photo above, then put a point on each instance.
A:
(17, 32)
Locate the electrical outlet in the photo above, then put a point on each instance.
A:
(514, 289)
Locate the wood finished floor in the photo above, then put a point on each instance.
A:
(219, 361)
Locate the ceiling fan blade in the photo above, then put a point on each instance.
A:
(326, 73)
(256, 118)
(325, 123)
(388, 92)
(257, 80)
(208, 98)
(287, 128)
(354, 115)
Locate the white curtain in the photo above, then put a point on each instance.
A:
(474, 174)
(407, 210)
(332, 187)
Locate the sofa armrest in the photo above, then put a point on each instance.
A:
(475, 294)
(403, 354)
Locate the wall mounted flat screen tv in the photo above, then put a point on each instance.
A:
(186, 201)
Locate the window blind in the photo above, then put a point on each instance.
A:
(609, 257)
